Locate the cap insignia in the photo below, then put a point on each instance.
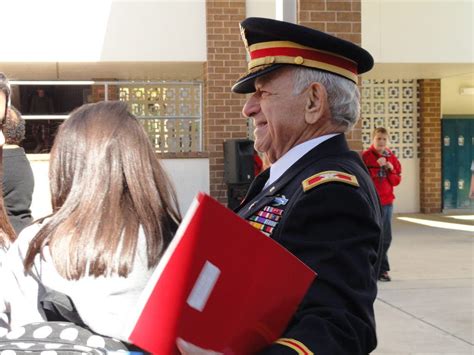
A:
(244, 39)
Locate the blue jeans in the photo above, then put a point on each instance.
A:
(387, 211)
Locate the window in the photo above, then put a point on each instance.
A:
(171, 112)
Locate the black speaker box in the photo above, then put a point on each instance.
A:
(236, 194)
(238, 161)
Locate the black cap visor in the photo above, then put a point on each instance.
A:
(246, 84)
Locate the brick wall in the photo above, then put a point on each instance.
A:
(226, 62)
(430, 146)
(341, 19)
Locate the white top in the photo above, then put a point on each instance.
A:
(3, 251)
(103, 303)
(279, 167)
(3, 317)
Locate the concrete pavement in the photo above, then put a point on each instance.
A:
(428, 306)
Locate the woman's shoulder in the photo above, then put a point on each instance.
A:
(21, 244)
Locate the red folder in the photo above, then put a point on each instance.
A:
(221, 285)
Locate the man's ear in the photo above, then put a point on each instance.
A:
(316, 103)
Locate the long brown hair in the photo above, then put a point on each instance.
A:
(7, 233)
(106, 182)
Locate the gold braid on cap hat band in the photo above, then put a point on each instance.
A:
(286, 52)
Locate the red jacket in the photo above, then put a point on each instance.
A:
(384, 179)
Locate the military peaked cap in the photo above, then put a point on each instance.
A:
(272, 44)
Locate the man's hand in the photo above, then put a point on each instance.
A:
(189, 349)
(389, 166)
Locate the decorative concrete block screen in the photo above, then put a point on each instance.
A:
(393, 104)
(171, 113)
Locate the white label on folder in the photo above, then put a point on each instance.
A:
(203, 287)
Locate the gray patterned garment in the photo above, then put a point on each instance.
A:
(58, 338)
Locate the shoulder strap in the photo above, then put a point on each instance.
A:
(329, 176)
(59, 307)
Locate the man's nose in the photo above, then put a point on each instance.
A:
(251, 107)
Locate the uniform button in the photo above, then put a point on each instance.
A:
(299, 60)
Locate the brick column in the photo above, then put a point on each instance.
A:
(430, 145)
(226, 61)
(341, 18)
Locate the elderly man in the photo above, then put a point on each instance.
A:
(317, 198)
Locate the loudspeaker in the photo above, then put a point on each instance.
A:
(236, 194)
(238, 161)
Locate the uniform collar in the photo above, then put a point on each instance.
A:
(256, 196)
(292, 156)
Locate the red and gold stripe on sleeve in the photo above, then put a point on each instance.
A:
(296, 345)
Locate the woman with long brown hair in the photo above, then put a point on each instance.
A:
(7, 234)
(114, 213)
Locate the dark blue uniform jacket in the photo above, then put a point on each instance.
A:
(334, 227)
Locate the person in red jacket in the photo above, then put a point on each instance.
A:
(385, 171)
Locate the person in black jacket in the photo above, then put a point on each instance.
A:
(316, 199)
(18, 179)
(7, 233)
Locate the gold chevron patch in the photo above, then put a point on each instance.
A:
(329, 176)
(296, 345)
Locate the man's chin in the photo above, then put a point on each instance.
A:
(259, 147)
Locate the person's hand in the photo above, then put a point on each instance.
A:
(389, 166)
(190, 349)
(382, 161)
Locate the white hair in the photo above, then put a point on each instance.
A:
(343, 94)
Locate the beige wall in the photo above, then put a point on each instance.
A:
(420, 31)
(105, 30)
(407, 194)
(41, 204)
(260, 8)
(277, 9)
(452, 102)
(189, 177)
